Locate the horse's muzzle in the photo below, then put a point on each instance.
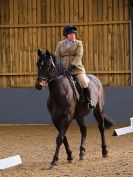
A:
(39, 85)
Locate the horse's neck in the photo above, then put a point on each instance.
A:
(57, 87)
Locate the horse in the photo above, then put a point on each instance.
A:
(64, 106)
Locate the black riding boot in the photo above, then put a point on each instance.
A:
(87, 95)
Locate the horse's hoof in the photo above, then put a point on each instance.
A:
(104, 155)
(81, 157)
(70, 158)
(70, 161)
(53, 163)
(51, 167)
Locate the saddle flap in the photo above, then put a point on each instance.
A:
(77, 89)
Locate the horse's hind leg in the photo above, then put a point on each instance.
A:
(68, 150)
(100, 119)
(83, 130)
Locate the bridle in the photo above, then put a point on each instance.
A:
(50, 69)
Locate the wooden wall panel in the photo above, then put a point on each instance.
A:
(26, 25)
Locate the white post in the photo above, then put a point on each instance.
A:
(10, 162)
(131, 53)
(131, 119)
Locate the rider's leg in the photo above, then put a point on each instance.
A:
(87, 94)
(84, 81)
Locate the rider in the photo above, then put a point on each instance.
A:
(70, 51)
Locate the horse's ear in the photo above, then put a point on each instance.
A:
(47, 53)
(39, 52)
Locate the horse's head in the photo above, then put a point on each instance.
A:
(45, 66)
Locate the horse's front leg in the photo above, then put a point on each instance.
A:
(68, 150)
(83, 130)
(59, 140)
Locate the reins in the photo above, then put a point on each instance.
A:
(64, 74)
(50, 80)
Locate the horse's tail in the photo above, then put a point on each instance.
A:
(108, 123)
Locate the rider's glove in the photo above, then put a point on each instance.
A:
(71, 67)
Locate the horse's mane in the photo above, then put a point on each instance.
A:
(60, 69)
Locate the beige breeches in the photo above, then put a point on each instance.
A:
(83, 79)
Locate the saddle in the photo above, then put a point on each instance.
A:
(76, 86)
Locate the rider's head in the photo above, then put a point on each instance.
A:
(69, 32)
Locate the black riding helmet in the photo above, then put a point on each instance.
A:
(69, 29)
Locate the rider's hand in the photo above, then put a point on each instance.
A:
(71, 67)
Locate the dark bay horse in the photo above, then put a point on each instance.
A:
(64, 106)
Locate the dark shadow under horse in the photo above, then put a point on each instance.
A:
(64, 106)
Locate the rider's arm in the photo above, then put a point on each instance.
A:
(79, 53)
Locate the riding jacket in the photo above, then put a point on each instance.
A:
(71, 55)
